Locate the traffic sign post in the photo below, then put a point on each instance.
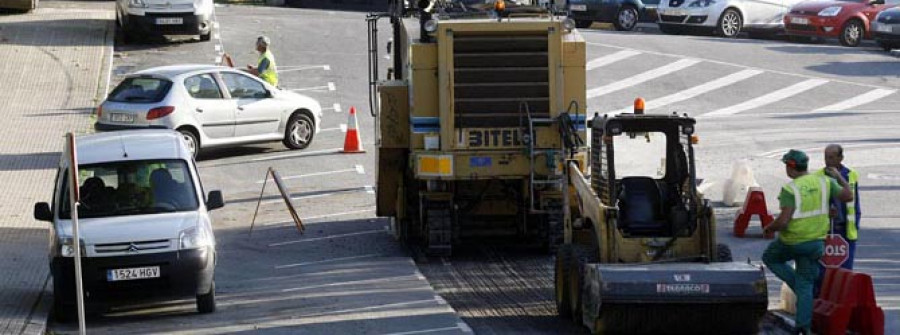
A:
(74, 199)
(837, 251)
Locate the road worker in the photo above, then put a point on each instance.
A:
(265, 68)
(803, 224)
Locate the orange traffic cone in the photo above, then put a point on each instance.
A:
(352, 142)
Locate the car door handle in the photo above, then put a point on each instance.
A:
(240, 108)
(199, 110)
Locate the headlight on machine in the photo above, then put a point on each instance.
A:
(195, 237)
(830, 11)
(568, 24)
(431, 26)
(701, 3)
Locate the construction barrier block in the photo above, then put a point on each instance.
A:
(754, 204)
(847, 302)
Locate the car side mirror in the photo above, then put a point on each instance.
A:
(876, 2)
(42, 212)
(214, 200)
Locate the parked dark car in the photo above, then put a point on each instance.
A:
(623, 14)
(886, 28)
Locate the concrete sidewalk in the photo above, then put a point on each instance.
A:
(55, 65)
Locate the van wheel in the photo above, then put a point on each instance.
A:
(730, 24)
(299, 132)
(206, 303)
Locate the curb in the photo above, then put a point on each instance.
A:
(37, 321)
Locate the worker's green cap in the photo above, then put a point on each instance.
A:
(796, 157)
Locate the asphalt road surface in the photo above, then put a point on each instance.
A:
(754, 99)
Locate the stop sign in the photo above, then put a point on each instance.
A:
(837, 251)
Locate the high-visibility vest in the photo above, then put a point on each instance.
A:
(270, 75)
(810, 220)
(852, 207)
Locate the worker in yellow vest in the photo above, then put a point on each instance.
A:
(265, 68)
(803, 224)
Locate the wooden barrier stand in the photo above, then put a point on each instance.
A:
(284, 195)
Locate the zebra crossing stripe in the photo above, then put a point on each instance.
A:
(859, 100)
(696, 90)
(640, 78)
(766, 99)
(609, 59)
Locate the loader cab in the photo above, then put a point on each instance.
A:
(643, 166)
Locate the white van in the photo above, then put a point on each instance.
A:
(143, 223)
(139, 18)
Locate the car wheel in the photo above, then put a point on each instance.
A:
(670, 29)
(299, 132)
(626, 18)
(730, 24)
(852, 33)
(206, 303)
(191, 140)
(62, 313)
(583, 23)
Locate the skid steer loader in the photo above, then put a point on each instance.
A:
(640, 253)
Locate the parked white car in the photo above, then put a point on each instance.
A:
(143, 223)
(139, 18)
(211, 106)
(726, 18)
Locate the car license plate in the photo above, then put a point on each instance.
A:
(133, 273)
(120, 117)
(578, 8)
(799, 20)
(883, 28)
(675, 12)
(169, 20)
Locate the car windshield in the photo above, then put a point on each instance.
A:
(132, 188)
(140, 89)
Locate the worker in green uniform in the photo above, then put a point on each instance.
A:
(803, 224)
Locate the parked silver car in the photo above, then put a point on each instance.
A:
(211, 106)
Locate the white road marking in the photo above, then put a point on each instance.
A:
(427, 331)
(859, 100)
(609, 59)
(283, 69)
(278, 267)
(331, 86)
(216, 36)
(342, 128)
(300, 154)
(640, 78)
(352, 282)
(218, 48)
(356, 168)
(732, 64)
(323, 238)
(779, 152)
(883, 176)
(218, 59)
(290, 223)
(370, 189)
(337, 108)
(440, 301)
(769, 98)
(320, 195)
(464, 327)
(360, 309)
(314, 88)
(216, 24)
(695, 91)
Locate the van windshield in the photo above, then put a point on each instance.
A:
(131, 188)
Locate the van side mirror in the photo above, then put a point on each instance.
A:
(42, 212)
(214, 200)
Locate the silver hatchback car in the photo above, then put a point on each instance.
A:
(211, 106)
